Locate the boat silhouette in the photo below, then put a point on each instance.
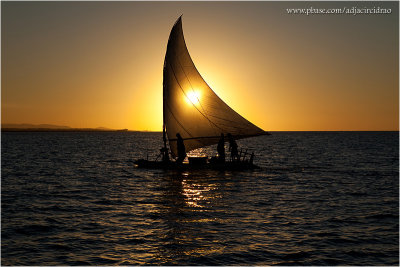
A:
(193, 111)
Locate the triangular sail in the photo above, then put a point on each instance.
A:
(190, 106)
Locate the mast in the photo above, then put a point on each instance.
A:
(165, 148)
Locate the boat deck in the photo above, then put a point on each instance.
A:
(233, 166)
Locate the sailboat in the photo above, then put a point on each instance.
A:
(192, 110)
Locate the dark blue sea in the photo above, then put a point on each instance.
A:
(321, 198)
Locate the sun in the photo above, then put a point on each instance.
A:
(193, 97)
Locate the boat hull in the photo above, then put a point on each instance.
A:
(225, 166)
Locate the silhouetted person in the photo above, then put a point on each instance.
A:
(251, 158)
(221, 148)
(164, 153)
(233, 148)
(181, 149)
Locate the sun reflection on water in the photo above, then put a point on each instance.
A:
(198, 195)
(188, 215)
(199, 152)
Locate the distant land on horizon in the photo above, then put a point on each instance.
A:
(37, 126)
(49, 127)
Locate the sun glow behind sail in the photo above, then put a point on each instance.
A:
(193, 97)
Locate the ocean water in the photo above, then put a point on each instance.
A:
(321, 198)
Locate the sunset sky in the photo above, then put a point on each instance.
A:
(91, 64)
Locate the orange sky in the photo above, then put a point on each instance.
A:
(91, 64)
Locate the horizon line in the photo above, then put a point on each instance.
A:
(55, 127)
